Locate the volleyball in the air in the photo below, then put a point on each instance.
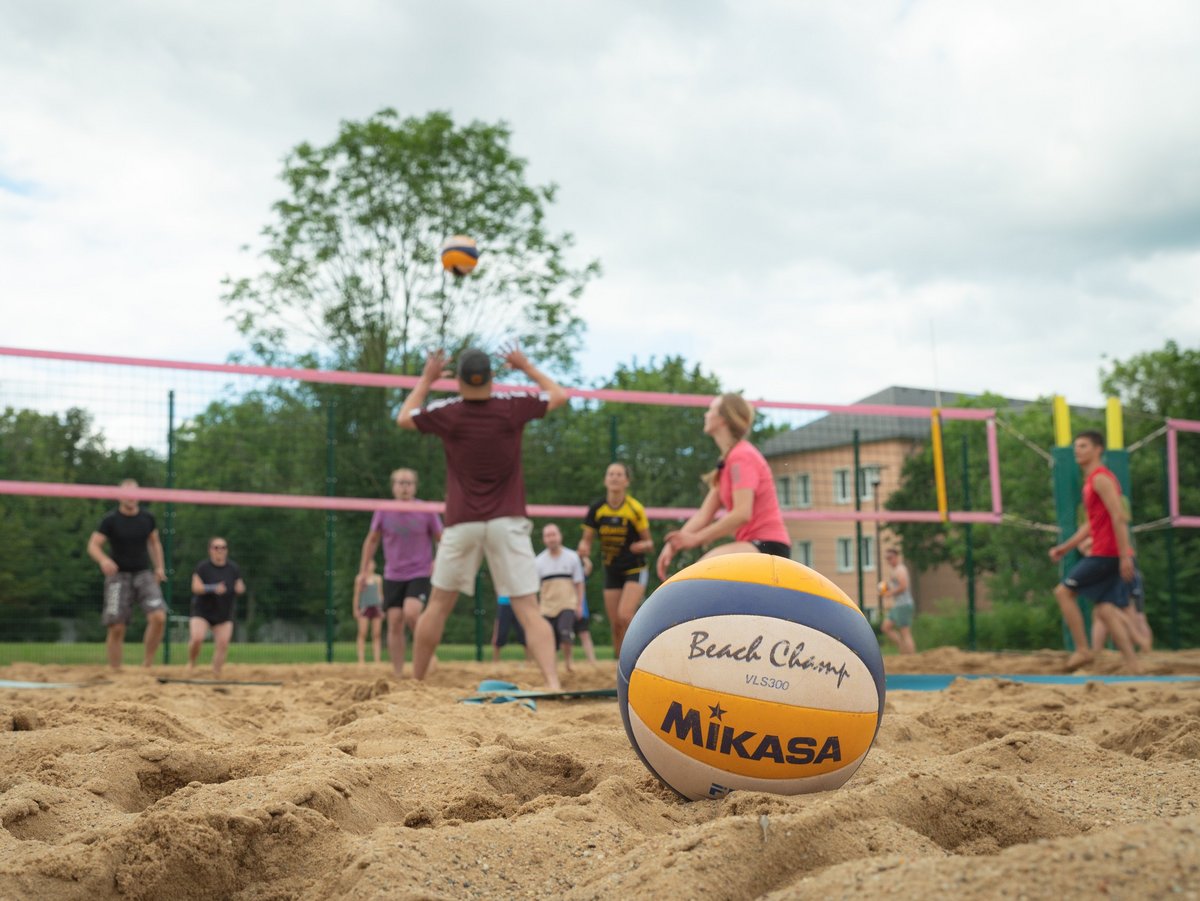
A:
(460, 255)
(750, 671)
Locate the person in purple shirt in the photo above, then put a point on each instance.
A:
(408, 542)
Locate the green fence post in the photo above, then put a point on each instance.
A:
(1172, 593)
(612, 439)
(478, 618)
(970, 554)
(169, 544)
(330, 487)
(858, 522)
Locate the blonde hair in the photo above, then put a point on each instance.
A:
(738, 416)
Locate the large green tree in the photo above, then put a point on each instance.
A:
(353, 271)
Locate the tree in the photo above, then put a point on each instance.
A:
(354, 274)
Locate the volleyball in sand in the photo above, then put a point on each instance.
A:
(460, 255)
(750, 671)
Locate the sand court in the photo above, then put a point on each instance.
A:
(341, 783)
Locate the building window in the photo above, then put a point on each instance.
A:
(803, 490)
(868, 552)
(802, 552)
(867, 477)
(783, 490)
(845, 555)
(842, 483)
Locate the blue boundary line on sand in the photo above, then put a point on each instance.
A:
(940, 681)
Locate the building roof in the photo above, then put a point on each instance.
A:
(837, 430)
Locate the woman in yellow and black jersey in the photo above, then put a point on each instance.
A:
(625, 540)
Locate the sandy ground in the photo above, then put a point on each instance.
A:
(342, 783)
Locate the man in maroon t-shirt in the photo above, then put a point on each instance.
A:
(485, 496)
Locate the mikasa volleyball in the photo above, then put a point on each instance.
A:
(750, 671)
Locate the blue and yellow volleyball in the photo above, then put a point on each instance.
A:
(752, 672)
(460, 255)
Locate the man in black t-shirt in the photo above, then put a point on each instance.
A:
(132, 536)
(216, 581)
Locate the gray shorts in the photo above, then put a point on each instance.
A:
(123, 589)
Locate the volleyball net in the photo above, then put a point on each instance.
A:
(289, 465)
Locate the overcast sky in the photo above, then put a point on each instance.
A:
(803, 197)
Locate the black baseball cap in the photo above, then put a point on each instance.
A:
(474, 367)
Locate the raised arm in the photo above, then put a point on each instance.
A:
(515, 357)
(435, 368)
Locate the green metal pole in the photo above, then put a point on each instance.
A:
(970, 555)
(1172, 588)
(858, 523)
(330, 518)
(612, 438)
(478, 618)
(169, 543)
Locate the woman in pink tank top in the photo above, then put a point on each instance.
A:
(742, 485)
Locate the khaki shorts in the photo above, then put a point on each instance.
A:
(123, 589)
(506, 544)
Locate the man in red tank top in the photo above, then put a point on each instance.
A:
(1106, 575)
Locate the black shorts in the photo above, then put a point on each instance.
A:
(563, 624)
(1137, 592)
(215, 608)
(1099, 580)
(394, 593)
(616, 577)
(774, 548)
(506, 621)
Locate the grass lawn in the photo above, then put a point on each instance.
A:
(92, 653)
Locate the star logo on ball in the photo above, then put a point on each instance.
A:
(716, 712)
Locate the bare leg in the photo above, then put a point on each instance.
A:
(907, 645)
(589, 647)
(1115, 621)
(377, 637)
(1073, 617)
(631, 596)
(1099, 634)
(612, 603)
(539, 637)
(156, 624)
(113, 643)
(361, 640)
(222, 633)
(431, 625)
(397, 644)
(197, 629)
(889, 629)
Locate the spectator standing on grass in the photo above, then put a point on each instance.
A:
(216, 583)
(367, 606)
(897, 625)
(560, 595)
(134, 571)
(408, 538)
(481, 431)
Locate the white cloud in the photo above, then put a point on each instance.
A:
(786, 193)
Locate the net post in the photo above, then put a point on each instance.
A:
(939, 464)
(1171, 489)
(169, 543)
(478, 617)
(330, 487)
(993, 447)
(969, 561)
(1066, 485)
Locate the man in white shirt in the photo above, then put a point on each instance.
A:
(560, 595)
